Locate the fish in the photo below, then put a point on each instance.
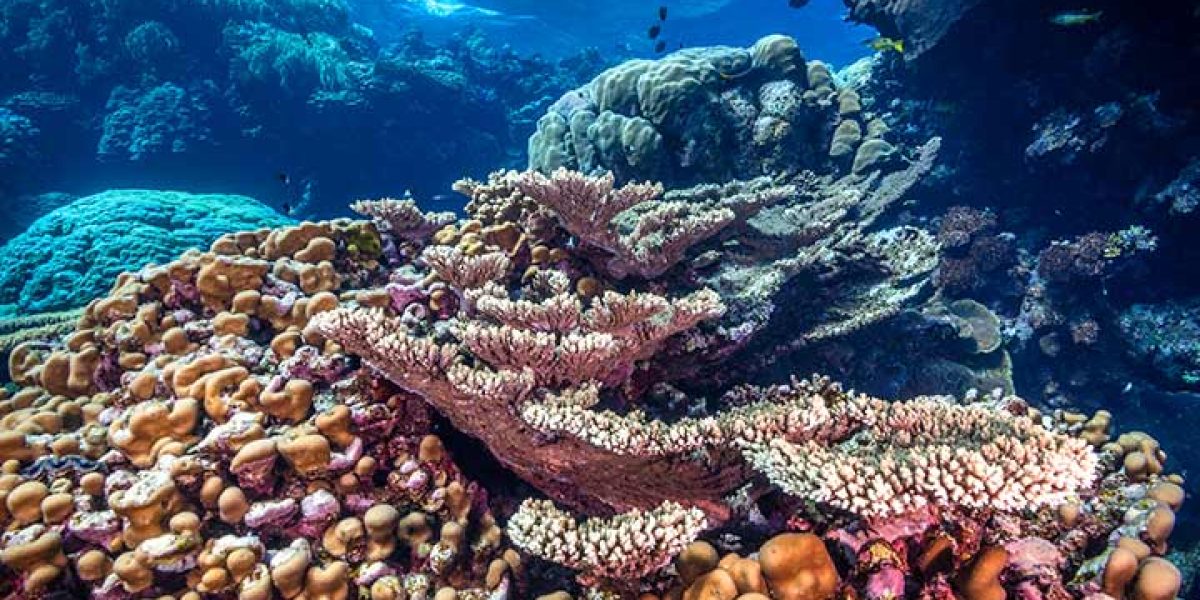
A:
(660, 46)
(283, 178)
(654, 31)
(797, 3)
(662, 13)
(286, 208)
(885, 44)
(1074, 18)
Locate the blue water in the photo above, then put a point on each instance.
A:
(560, 28)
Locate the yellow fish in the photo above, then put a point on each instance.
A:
(1073, 18)
(885, 44)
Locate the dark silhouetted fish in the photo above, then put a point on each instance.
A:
(797, 3)
(654, 31)
(283, 178)
(662, 13)
(660, 46)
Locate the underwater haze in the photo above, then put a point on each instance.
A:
(533, 300)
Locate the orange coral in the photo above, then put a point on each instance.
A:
(798, 567)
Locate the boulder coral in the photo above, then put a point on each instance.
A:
(75, 252)
(710, 114)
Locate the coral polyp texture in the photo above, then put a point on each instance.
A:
(73, 253)
(711, 114)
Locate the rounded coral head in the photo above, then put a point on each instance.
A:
(1157, 579)
(798, 567)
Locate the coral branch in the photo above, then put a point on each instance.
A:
(659, 236)
(402, 217)
(617, 550)
(931, 451)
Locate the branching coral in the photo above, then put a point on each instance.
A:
(929, 451)
(481, 382)
(587, 207)
(618, 550)
(402, 217)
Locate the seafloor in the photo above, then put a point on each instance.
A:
(728, 324)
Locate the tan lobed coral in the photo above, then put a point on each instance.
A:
(204, 434)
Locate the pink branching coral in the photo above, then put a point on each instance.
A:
(481, 381)
(402, 217)
(587, 207)
(931, 451)
(619, 549)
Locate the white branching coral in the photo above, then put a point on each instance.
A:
(560, 312)
(562, 343)
(618, 549)
(464, 271)
(931, 451)
(816, 411)
(402, 217)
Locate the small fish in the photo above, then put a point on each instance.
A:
(654, 31)
(662, 13)
(660, 46)
(797, 3)
(283, 178)
(1074, 18)
(286, 208)
(885, 44)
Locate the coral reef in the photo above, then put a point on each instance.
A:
(96, 90)
(165, 119)
(1166, 337)
(209, 447)
(255, 419)
(590, 384)
(1079, 139)
(76, 251)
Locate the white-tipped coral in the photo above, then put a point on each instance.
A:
(621, 548)
(931, 451)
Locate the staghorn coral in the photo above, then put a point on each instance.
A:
(522, 353)
(661, 235)
(402, 217)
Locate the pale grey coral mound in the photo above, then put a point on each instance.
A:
(709, 114)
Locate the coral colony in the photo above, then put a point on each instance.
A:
(300, 411)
